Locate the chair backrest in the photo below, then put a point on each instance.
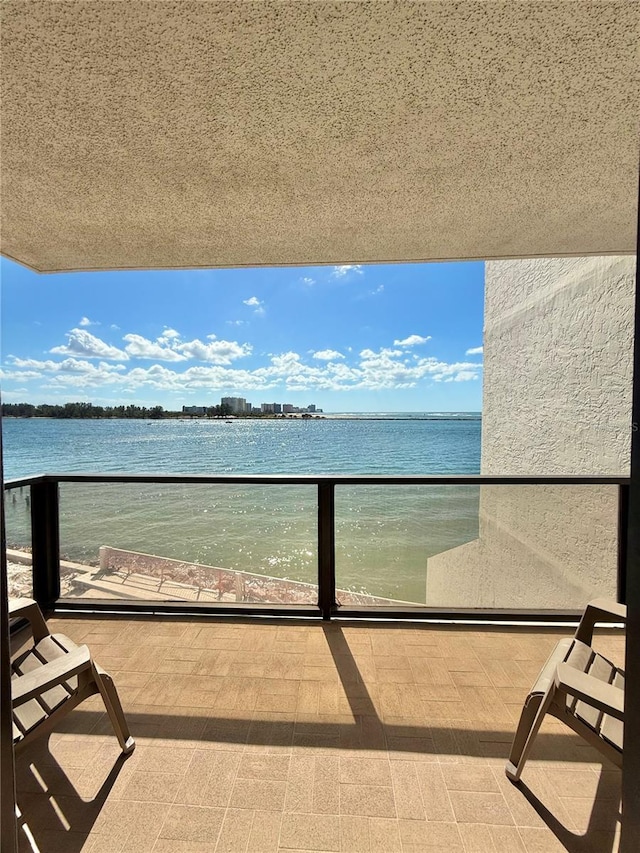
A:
(585, 659)
(31, 714)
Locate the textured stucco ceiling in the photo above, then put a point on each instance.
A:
(170, 134)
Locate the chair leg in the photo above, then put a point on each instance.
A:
(533, 712)
(114, 709)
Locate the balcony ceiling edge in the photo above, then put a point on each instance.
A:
(187, 135)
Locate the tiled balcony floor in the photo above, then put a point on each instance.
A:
(342, 737)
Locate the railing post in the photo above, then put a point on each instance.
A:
(45, 542)
(326, 549)
(623, 522)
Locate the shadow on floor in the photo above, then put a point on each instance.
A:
(604, 822)
(51, 811)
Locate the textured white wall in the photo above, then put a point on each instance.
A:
(557, 352)
(557, 400)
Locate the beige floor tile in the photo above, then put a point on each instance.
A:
(573, 783)
(265, 832)
(522, 810)
(465, 777)
(299, 790)
(192, 823)
(288, 737)
(137, 824)
(317, 744)
(277, 702)
(365, 771)
(354, 834)
(73, 751)
(384, 835)
(406, 791)
(330, 697)
(592, 812)
(310, 832)
(475, 807)
(152, 787)
(326, 789)
(248, 793)
(235, 831)
(435, 797)
(151, 759)
(411, 748)
(506, 839)
(541, 840)
(476, 838)
(435, 711)
(367, 800)
(308, 697)
(259, 766)
(417, 835)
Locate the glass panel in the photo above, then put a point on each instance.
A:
(539, 547)
(17, 505)
(532, 547)
(210, 543)
(385, 535)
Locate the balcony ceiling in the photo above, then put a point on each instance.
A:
(187, 134)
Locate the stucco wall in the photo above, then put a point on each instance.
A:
(557, 400)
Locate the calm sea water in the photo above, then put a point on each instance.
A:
(384, 536)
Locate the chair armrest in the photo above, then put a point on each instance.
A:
(27, 608)
(32, 684)
(605, 697)
(599, 610)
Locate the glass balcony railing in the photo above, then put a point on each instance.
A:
(191, 542)
(17, 504)
(319, 546)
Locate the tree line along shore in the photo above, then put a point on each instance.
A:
(88, 411)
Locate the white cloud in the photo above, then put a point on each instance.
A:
(168, 334)
(83, 343)
(235, 322)
(412, 341)
(217, 352)
(69, 373)
(169, 347)
(308, 280)
(114, 327)
(320, 370)
(460, 371)
(344, 269)
(19, 375)
(139, 347)
(474, 351)
(254, 302)
(327, 354)
(85, 321)
(465, 376)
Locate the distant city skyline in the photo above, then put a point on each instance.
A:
(394, 337)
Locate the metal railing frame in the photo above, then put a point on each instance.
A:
(46, 545)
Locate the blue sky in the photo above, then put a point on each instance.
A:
(348, 338)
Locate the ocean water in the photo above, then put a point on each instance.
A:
(384, 535)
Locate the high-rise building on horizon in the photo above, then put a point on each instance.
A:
(237, 405)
